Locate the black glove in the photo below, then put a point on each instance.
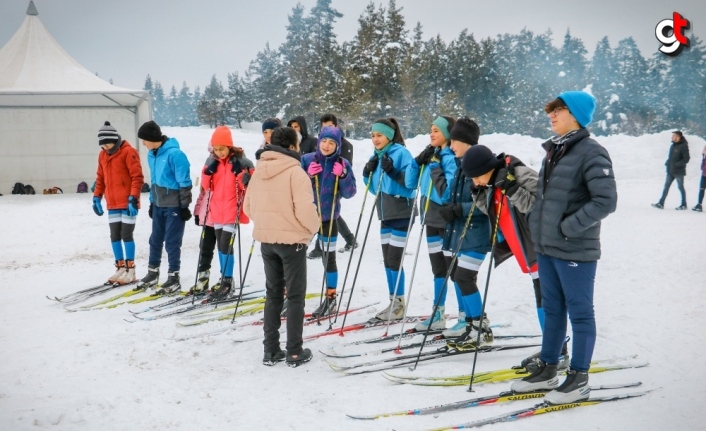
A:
(371, 166)
(510, 186)
(212, 167)
(246, 178)
(185, 214)
(425, 156)
(196, 220)
(387, 165)
(235, 166)
(451, 212)
(149, 211)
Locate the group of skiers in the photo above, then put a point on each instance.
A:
(473, 202)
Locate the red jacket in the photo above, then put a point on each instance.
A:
(119, 176)
(227, 192)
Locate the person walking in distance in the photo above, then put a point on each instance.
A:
(575, 191)
(676, 169)
(280, 203)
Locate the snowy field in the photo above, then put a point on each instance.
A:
(93, 370)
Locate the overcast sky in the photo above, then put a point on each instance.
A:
(190, 40)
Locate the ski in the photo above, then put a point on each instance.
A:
(97, 305)
(430, 342)
(83, 292)
(502, 377)
(372, 323)
(411, 333)
(398, 361)
(501, 397)
(197, 305)
(542, 408)
(504, 374)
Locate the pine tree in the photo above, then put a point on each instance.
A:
(186, 112)
(630, 104)
(236, 99)
(572, 64)
(266, 74)
(159, 104)
(212, 108)
(297, 59)
(602, 71)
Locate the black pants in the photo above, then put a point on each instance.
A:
(208, 244)
(285, 268)
(343, 230)
(702, 186)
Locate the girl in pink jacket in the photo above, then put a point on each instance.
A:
(226, 176)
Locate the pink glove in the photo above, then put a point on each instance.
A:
(338, 169)
(313, 169)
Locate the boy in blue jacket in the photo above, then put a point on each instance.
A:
(170, 196)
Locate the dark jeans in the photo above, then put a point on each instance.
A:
(567, 288)
(208, 244)
(668, 184)
(702, 186)
(285, 268)
(167, 231)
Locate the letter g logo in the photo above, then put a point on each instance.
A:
(670, 32)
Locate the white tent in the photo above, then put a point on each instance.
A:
(51, 108)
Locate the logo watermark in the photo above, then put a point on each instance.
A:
(670, 33)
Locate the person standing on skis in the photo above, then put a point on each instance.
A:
(332, 179)
(119, 177)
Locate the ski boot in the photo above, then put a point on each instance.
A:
(150, 280)
(302, 358)
(172, 285)
(327, 306)
(574, 389)
(128, 276)
(469, 339)
(120, 270)
(437, 321)
(397, 306)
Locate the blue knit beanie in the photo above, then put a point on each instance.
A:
(331, 132)
(580, 104)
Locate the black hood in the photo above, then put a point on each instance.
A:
(302, 125)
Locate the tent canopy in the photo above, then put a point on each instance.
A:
(47, 97)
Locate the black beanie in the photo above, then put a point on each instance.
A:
(478, 161)
(465, 130)
(150, 131)
(108, 135)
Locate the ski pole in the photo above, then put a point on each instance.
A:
(242, 283)
(404, 250)
(350, 258)
(328, 245)
(398, 350)
(203, 234)
(467, 225)
(320, 235)
(362, 249)
(494, 241)
(241, 198)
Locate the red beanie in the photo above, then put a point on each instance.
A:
(222, 137)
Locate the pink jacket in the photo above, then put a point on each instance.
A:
(279, 199)
(226, 190)
(200, 208)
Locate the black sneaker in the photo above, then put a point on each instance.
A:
(327, 306)
(575, 388)
(697, 208)
(150, 280)
(172, 284)
(658, 205)
(348, 247)
(271, 359)
(544, 378)
(222, 290)
(316, 253)
(297, 360)
(681, 207)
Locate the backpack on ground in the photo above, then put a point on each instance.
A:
(18, 189)
(29, 190)
(82, 187)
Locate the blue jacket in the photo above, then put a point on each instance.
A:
(327, 180)
(396, 199)
(169, 175)
(477, 236)
(438, 175)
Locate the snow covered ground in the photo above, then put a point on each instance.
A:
(94, 371)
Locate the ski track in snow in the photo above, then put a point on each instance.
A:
(92, 370)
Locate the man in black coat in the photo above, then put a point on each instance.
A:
(346, 153)
(308, 142)
(676, 168)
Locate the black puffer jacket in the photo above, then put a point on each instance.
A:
(576, 190)
(678, 157)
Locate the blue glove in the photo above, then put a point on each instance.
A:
(132, 203)
(97, 207)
